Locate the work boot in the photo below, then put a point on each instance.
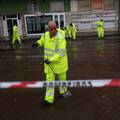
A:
(66, 94)
(46, 103)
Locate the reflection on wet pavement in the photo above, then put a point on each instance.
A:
(89, 58)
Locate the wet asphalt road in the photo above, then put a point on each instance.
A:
(89, 58)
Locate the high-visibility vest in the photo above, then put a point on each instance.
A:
(100, 25)
(55, 51)
(15, 31)
(72, 28)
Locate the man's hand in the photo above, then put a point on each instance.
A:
(34, 45)
(47, 61)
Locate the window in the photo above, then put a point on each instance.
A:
(97, 5)
(57, 6)
(36, 24)
(84, 5)
(61, 21)
(35, 5)
(109, 4)
(32, 6)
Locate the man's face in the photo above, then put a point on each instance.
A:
(52, 29)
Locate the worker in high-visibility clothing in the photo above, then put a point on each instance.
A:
(16, 35)
(72, 31)
(100, 28)
(55, 59)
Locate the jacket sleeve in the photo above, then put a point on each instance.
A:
(41, 40)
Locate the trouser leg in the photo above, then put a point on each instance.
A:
(102, 34)
(49, 95)
(13, 40)
(19, 40)
(99, 34)
(70, 35)
(74, 34)
(62, 77)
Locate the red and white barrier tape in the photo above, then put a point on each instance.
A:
(69, 83)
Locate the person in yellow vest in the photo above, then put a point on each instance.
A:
(55, 59)
(72, 31)
(100, 28)
(16, 35)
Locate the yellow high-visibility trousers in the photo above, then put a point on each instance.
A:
(72, 34)
(50, 77)
(100, 32)
(16, 38)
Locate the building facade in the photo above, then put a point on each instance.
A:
(32, 16)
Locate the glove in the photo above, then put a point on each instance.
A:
(47, 61)
(34, 45)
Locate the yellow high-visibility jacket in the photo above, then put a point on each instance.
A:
(55, 51)
(72, 28)
(100, 25)
(15, 31)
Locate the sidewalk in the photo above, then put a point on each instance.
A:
(79, 34)
(94, 33)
